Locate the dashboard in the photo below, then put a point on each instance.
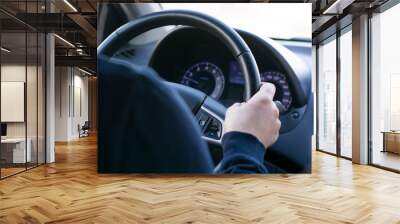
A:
(194, 58)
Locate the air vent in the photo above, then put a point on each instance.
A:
(128, 53)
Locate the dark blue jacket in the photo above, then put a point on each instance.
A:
(145, 127)
(242, 153)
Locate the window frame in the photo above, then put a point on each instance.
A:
(381, 9)
(334, 37)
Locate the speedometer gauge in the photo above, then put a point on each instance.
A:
(282, 92)
(206, 77)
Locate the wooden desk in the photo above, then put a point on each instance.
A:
(391, 141)
(13, 150)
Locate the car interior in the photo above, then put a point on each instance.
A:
(156, 54)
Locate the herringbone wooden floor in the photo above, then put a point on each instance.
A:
(70, 191)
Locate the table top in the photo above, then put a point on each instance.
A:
(391, 132)
(13, 140)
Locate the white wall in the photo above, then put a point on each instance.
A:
(14, 72)
(13, 101)
(80, 102)
(71, 102)
(17, 73)
(33, 126)
(61, 103)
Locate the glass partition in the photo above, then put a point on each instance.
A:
(41, 96)
(346, 93)
(327, 96)
(385, 89)
(31, 99)
(22, 77)
(34, 70)
(14, 153)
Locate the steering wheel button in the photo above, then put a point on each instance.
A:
(295, 115)
(214, 129)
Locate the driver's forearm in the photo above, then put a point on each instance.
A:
(242, 153)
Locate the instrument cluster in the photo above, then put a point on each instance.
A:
(219, 84)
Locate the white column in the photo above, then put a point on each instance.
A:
(50, 92)
(360, 90)
(50, 99)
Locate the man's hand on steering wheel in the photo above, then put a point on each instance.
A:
(259, 116)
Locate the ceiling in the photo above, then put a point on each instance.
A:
(75, 21)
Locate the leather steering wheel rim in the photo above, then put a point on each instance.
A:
(228, 36)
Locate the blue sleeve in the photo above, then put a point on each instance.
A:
(242, 153)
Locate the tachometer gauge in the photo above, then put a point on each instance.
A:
(206, 77)
(282, 92)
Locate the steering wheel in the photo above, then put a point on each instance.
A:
(209, 113)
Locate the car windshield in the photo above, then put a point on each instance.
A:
(283, 21)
